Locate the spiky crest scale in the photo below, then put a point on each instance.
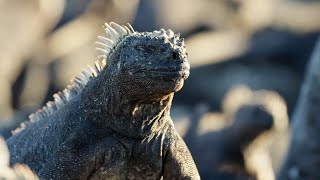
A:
(115, 34)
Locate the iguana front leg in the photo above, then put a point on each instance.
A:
(77, 158)
(66, 164)
(179, 163)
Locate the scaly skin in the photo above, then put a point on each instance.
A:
(119, 125)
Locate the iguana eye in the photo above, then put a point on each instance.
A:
(145, 49)
(140, 48)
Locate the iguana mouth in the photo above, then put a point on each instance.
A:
(170, 74)
(165, 73)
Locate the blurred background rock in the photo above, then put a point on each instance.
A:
(259, 44)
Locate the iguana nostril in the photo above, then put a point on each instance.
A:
(175, 55)
(163, 48)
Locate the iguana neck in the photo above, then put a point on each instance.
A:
(139, 119)
(106, 106)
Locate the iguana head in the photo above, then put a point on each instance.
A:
(136, 75)
(148, 64)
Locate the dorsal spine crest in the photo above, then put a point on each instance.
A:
(115, 33)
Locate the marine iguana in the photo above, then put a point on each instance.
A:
(113, 122)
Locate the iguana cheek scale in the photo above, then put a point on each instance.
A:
(113, 120)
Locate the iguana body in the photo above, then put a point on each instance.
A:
(116, 124)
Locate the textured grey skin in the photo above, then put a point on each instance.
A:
(219, 155)
(303, 159)
(18, 171)
(119, 126)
